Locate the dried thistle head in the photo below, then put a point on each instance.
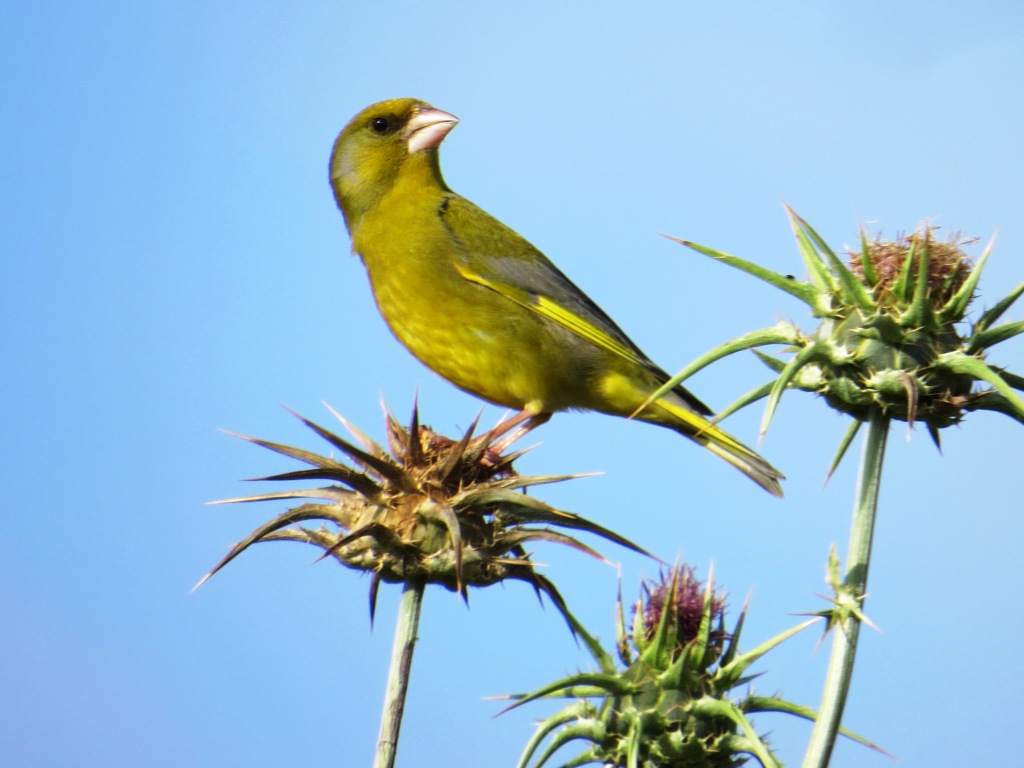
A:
(448, 512)
(881, 264)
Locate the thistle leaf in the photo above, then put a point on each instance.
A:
(771, 704)
(381, 533)
(1015, 381)
(450, 520)
(383, 467)
(307, 457)
(902, 287)
(350, 477)
(844, 444)
(990, 316)
(772, 362)
(866, 265)
(580, 730)
(654, 654)
(993, 401)
(317, 537)
(587, 757)
(524, 536)
(816, 265)
(371, 445)
(528, 481)
(521, 509)
(919, 314)
(415, 456)
(733, 645)
(292, 516)
(486, 495)
(622, 646)
(608, 683)
(804, 291)
(328, 493)
(851, 288)
(703, 639)
(992, 336)
(955, 309)
(547, 726)
(458, 451)
(958, 362)
(375, 580)
(781, 333)
(633, 739)
(736, 668)
(711, 707)
(758, 393)
(808, 354)
(603, 658)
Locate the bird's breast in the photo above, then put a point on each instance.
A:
(470, 335)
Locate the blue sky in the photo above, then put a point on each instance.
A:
(175, 264)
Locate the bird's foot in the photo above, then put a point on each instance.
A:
(506, 432)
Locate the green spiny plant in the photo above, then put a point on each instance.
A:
(893, 342)
(669, 700)
(431, 510)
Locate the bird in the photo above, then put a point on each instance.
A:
(474, 301)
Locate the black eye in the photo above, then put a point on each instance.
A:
(383, 125)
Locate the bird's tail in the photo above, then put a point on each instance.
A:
(718, 441)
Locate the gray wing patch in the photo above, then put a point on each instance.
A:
(478, 232)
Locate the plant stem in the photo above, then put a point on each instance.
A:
(851, 594)
(398, 675)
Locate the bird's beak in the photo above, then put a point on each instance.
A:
(427, 129)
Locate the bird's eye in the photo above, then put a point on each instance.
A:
(382, 125)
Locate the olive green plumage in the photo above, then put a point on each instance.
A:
(477, 303)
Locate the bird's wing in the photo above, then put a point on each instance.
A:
(499, 258)
(565, 309)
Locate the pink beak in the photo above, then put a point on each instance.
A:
(427, 129)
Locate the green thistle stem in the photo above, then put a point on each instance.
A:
(398, 676)
(850, 595)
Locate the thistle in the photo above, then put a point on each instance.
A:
(890, 339)
(669, 704)
(430, 510)
(449, 512)
(893, 343)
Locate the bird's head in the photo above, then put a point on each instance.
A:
(381, 143)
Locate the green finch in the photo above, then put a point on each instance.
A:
(478, 304)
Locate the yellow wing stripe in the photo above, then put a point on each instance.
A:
(713, 437)
(549, 309)
(702, 427)
(721, 443)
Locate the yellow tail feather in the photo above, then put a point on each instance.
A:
(718, 441)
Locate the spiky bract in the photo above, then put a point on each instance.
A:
(668, 705)
(893, 336)
(449, 512)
